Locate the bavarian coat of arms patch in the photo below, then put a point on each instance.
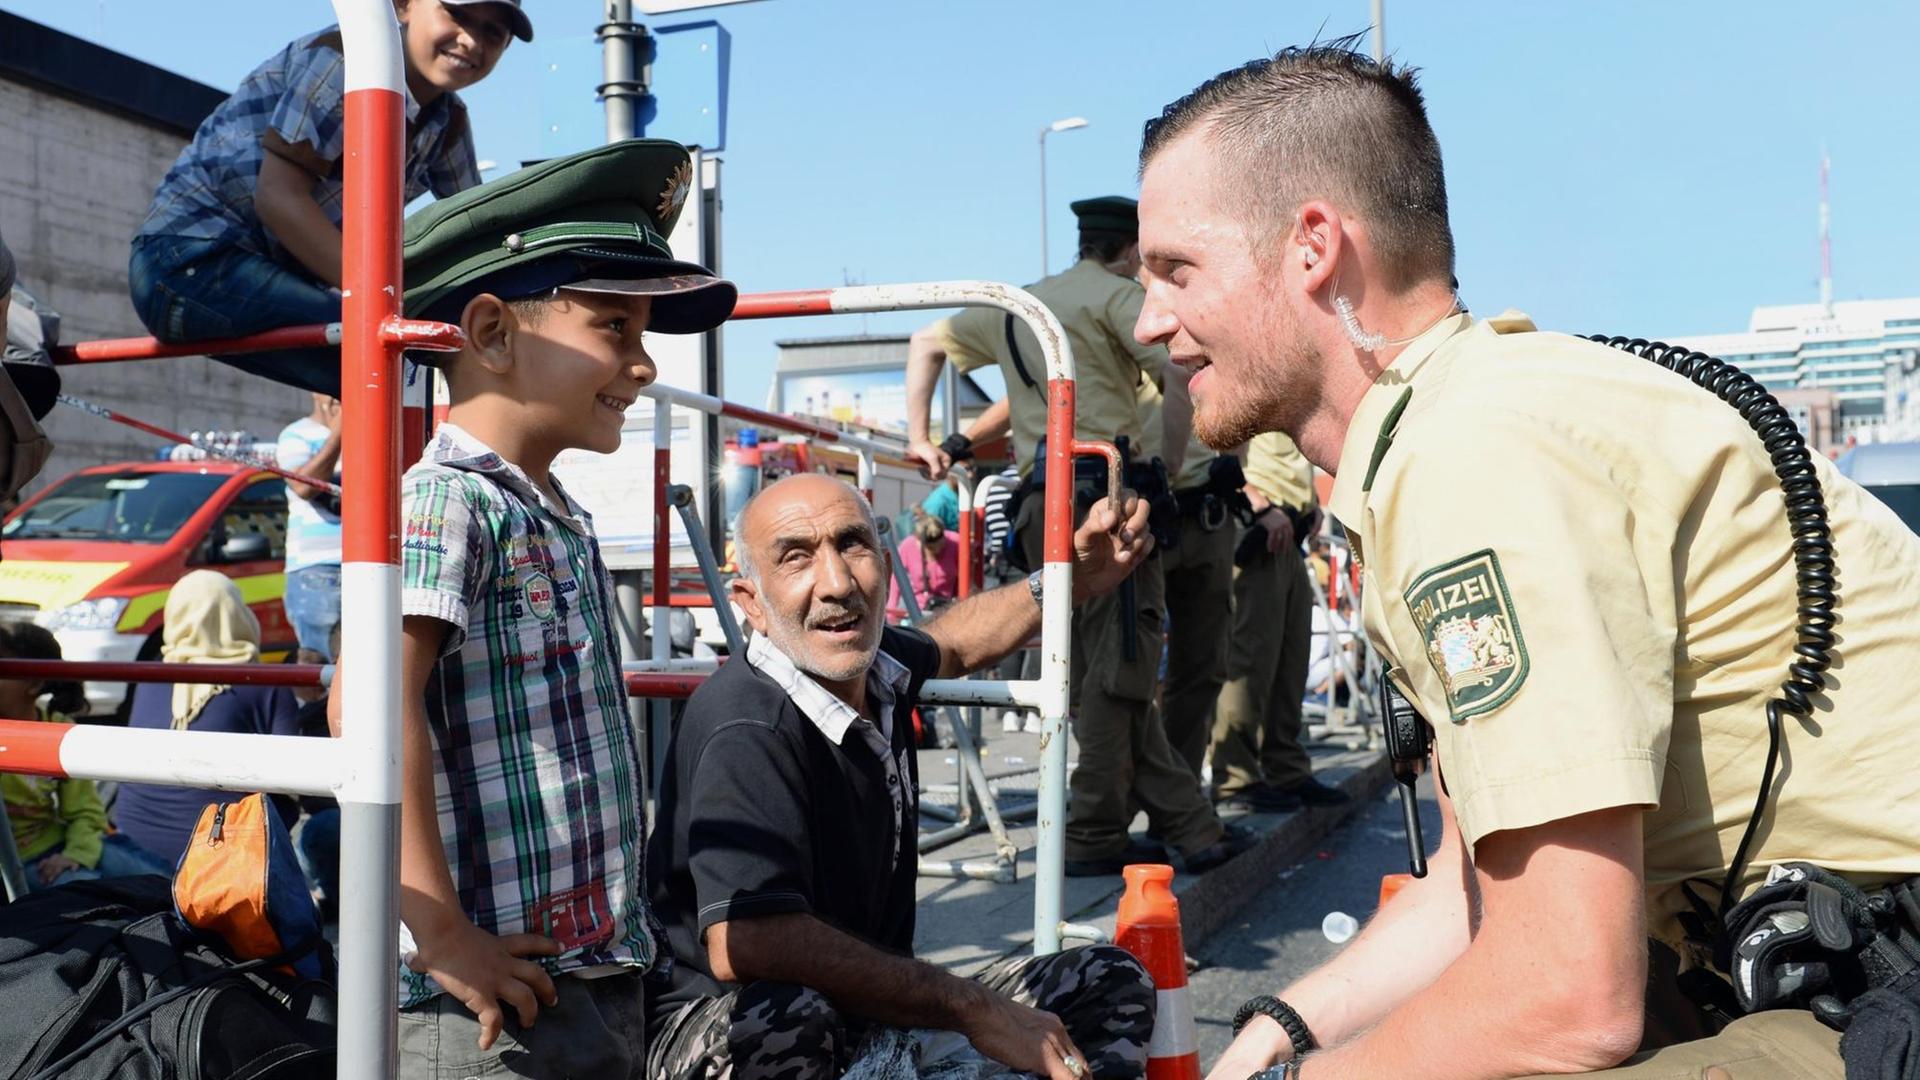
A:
(1466, 620)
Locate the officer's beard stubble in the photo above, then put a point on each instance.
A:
(1259, 392)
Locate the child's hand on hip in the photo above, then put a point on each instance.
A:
(482, 971)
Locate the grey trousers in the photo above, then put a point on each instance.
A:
(598, 1031)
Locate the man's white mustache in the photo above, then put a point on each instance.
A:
(821, 620)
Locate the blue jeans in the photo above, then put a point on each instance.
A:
(119, 857)
(313, 605)
(189, 289)
(319, 849)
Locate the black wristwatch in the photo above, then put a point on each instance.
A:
(957, 446)
(1282, 1014)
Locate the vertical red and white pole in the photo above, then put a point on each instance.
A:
(1056, 662)
(371, 284)
(660, 711)
(963, 487)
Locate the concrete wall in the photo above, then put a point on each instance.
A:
(75, 181)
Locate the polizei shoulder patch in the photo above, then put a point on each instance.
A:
(1466, 619)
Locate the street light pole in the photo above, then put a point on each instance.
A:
(1379, 30)
(1068, 124)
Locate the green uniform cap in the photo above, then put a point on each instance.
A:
(1109, 213)
(596, 221)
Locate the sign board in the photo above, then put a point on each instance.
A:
(875, 398)
(687, 100)
(668, 7)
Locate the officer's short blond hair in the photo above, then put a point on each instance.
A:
(1325, 121)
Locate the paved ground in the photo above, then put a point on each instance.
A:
(1277, 936)
(965, 924)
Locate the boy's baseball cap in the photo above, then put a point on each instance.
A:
(596, 221)
(522, 26)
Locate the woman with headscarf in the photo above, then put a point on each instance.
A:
(207, 622)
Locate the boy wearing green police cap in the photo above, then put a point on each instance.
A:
(521, 834)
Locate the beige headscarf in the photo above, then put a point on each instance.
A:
(207, 622)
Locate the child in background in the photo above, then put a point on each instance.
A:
(59, 826)
(244, 232)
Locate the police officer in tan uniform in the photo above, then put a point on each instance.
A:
(1257, 755)
(1125, 760)
(1578, 567)
(1198, 572)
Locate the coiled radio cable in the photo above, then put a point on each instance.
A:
(1814, 582)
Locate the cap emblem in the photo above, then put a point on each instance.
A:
(675, 194)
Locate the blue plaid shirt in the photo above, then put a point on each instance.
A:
(536, 773)
(300, 92)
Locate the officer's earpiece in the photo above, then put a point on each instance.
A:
(1308, 256)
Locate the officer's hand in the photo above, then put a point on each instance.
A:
(1027, 1039)
(1109, 544)
(934, 462)
(1279, 529)
(1258, 1046)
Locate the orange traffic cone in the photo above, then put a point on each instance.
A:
(1391, 884)
(1148, 926)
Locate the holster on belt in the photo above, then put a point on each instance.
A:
(1209, 503)
(1808, 938)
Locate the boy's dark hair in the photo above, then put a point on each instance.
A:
(1325, 121)
(531, 310)
(1105, 246)
(31, 641)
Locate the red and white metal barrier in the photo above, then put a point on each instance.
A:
(147, 671)
(362, 767)
(115, 350)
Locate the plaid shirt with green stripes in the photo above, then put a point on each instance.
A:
(536, 774)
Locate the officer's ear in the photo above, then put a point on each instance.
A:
(1317, 244)
(489, 324)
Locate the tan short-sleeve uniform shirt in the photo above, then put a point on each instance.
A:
(1097, 308)
(1277, 469)
(1578, 564)
(1197, 463)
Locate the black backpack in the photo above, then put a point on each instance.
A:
(101, 981)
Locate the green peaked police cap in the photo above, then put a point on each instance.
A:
(1108, 213)
(596, 221)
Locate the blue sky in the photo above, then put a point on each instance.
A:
(1646, 168)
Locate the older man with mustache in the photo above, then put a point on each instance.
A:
(783, 858)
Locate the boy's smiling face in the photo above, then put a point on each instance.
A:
(452, 47)
(579, 364)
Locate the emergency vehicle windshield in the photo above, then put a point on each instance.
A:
(125, 507)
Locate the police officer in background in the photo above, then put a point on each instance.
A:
(1257, 755)
(1198, 571)
(1579, 568)
(1125, 759)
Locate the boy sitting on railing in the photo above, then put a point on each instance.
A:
(521, 883)
(244, 232)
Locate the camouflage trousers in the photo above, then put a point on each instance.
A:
(782, 1031)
